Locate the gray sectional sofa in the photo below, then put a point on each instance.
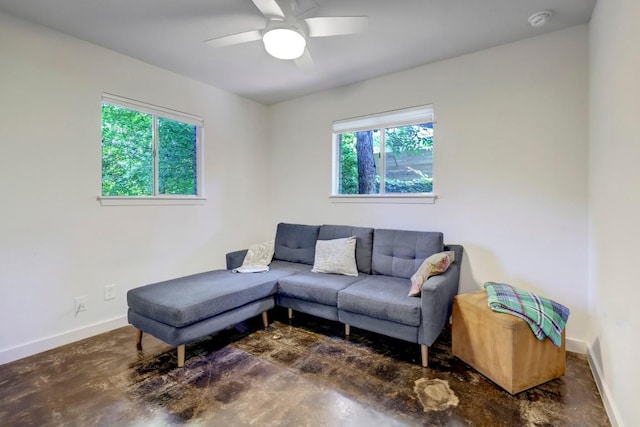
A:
(182, 310)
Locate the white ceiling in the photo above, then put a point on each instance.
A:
(402, 34)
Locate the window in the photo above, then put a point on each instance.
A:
(388, 154)
(149, 152)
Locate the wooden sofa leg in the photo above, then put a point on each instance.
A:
(290, 312)
(425, 355)
(347, 329)
(138, 337)
(181, 356)
(265, 319)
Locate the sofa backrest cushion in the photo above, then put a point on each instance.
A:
(296, 243)
(399, 253)
(364, 242)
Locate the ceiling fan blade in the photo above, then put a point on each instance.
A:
(305, 63)
(324, 26)
(247, 36)
(269, 8)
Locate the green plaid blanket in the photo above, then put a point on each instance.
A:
(546, 318)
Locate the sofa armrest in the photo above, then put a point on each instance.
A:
(437, 300)
(458, 249)
(234, 259)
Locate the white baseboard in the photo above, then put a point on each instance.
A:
(576, 346)
(38, 346)
(609, 405)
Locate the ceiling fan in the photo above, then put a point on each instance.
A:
(285, 35)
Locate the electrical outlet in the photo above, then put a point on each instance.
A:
(80, 304)
(109, 292)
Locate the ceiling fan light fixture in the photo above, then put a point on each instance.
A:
(284, 43)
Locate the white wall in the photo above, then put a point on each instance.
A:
(510, 162)
(614, 195)
(56, 241)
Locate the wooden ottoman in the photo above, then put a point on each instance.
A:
(502, 346)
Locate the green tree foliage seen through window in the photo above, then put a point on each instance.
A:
(408, 160)
(127, 152)
(177, 157)
(128, 147)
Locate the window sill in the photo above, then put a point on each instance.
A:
(422, 198)
(150, 201)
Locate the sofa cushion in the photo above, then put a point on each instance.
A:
(383, 298)
(296, 242)
(187, 300)
(286, 268)
(399, 253)
(316, 287)
(364, 242)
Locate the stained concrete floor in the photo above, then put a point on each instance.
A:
(302, 373)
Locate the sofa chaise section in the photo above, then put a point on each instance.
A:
(185, 309)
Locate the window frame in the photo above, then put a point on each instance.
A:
(381, 121)
(167, 113)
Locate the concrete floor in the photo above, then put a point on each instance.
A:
(299, 374)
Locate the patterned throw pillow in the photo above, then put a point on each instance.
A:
(336, 256)
(258, 258)
(435, 264)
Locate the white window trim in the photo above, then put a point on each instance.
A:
(145, 107)
(150, 200)
(394, 118)
(399, 198)
(160, 199)
(403, 117)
